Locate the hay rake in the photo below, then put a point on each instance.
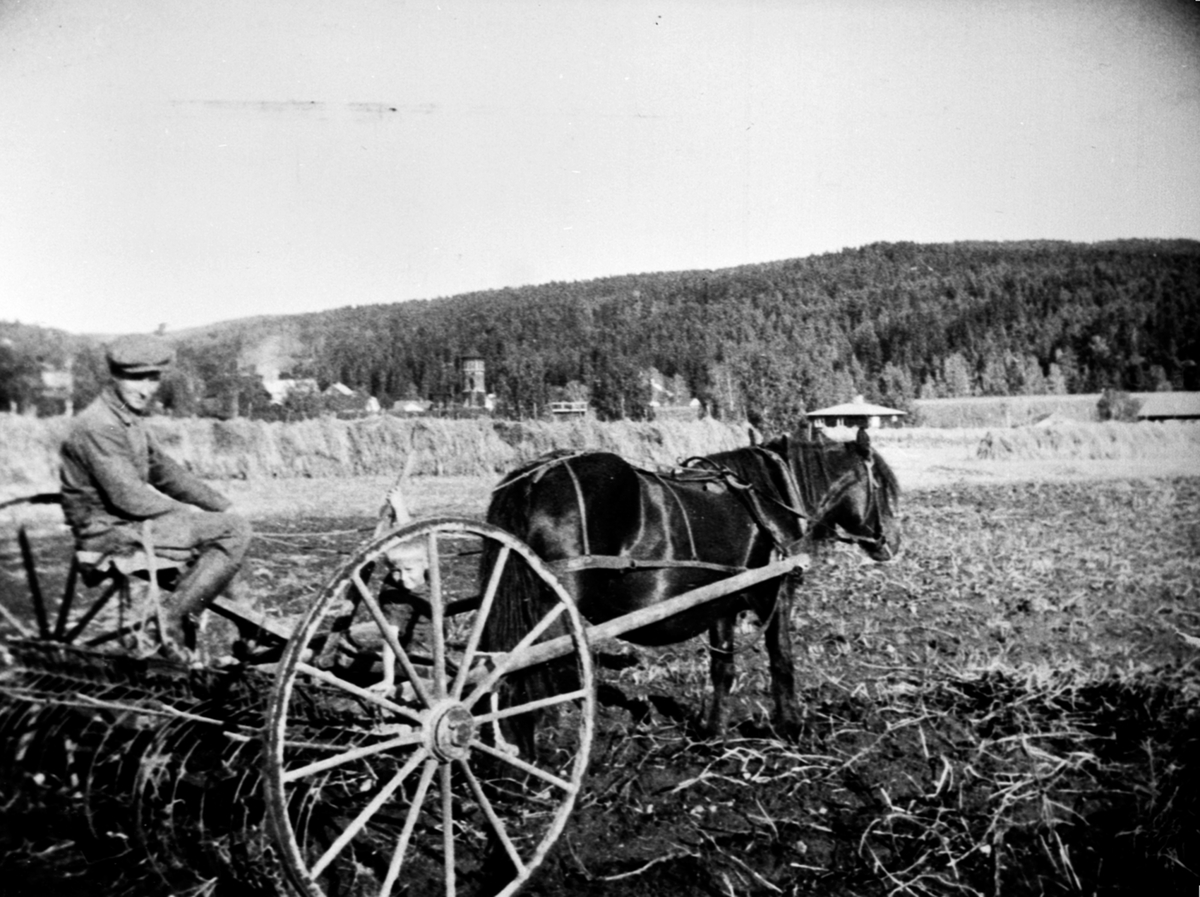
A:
(313, 769)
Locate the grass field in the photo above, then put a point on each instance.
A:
(1013, 707)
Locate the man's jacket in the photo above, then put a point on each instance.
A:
(114, 473)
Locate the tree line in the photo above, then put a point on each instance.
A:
(765, 342)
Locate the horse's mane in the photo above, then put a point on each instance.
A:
(817, 463)
(759, 466)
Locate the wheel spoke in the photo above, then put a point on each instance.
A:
(481, 616)
(410, 823)
(448, 831)
(406, 740)
(496, 822)
(509, 659)
(389, 636)
(437, 617)
(350, 688)
(358, 822)
(540, 704)
(525, 767)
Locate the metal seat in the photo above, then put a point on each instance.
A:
(87, 615)
(137, 580)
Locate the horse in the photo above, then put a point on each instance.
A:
(621, 539)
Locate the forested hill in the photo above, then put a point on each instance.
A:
(894, 321)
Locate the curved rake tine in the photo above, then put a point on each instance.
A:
(98, 605)
(357, 824)
(351, 755)
(385, 629)
(15, 622)
(410, 823)
(485, 608)
(363, 693)
(509, 659)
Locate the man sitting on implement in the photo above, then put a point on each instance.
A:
(121, 494)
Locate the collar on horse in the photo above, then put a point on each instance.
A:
(702, 469)
(800, 502)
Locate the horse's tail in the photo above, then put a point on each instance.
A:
(522, 599)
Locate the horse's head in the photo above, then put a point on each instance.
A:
(859, 500)
(408, 561)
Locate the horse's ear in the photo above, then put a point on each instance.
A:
(862, 442)
(755, 436)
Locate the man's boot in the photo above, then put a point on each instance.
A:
(206, 579)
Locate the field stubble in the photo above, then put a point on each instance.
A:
(1013, 707)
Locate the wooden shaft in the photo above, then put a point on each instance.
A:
(603, 632)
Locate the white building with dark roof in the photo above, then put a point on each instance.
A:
(856, 413)
(1168, 405)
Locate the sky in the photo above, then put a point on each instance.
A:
(168, 162)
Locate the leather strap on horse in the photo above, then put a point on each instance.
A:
(687, 520)
(752, 498)
(583, 527)
(589, 561)
(553, 459)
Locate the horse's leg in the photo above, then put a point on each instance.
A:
(778, 636)
(721, 668)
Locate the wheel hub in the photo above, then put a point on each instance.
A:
(450, 730)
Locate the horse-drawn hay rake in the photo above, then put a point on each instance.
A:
(316, 765)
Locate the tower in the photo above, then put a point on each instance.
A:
(474, 393)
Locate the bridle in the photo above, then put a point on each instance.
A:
(877, 541)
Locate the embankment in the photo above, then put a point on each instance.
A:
(331, 448)
(245, 449)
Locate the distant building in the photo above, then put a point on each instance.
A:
(473, 394)
(568, 410)
(1157, 406)
(346, 402)
(666, 404)
(690, 410)
(411, 407)
(856, 413)
(471, 368)
(279, 389)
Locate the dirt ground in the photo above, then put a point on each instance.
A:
(1013, 707)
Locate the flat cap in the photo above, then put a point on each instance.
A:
(139, 353)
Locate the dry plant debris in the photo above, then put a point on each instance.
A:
(1011, 708)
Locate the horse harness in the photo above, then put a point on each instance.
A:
(693, 472)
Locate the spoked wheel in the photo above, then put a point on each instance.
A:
(423, 785)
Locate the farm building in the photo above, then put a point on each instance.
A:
(411, 407)
(1169, 406)
(691, 410)
(568, 410)
(280, 389)
(856, 413)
